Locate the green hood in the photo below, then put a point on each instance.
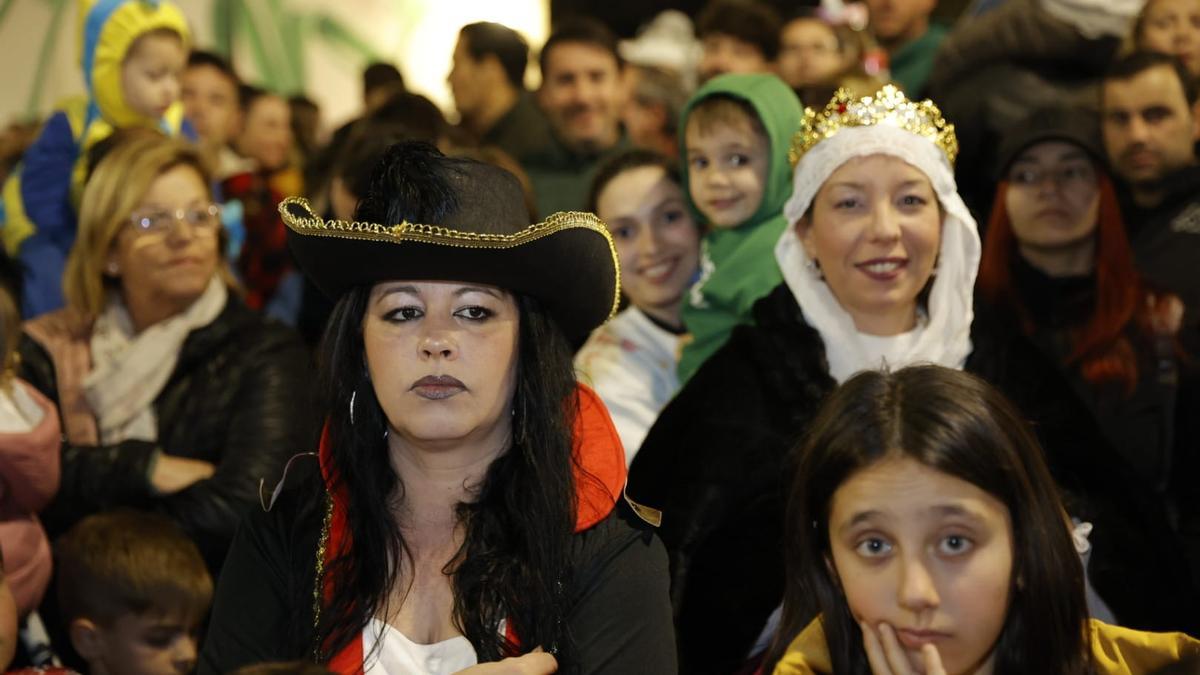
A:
(780, 112)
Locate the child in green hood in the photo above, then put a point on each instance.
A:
(735, 133)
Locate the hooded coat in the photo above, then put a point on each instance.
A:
(738, 264)
(41, 198)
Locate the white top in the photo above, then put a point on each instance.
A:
(397, 655)
(19, 413)
(630, 362)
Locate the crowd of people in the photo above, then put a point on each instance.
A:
(832, 342)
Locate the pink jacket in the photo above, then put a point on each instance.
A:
(29, 466)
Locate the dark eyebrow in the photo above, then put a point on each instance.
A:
(411, 290)
(861, 516)
(955, 510)
(476, 289)
(1073, 154)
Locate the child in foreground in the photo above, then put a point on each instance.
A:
(133, 590)
(925, 535)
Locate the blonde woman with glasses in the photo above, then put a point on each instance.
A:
(174, 396)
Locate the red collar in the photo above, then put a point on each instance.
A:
(599, 478)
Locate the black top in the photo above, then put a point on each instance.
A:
(716, 463)
(239, 397)
(1140, 424)
(522, 131)
(1166, 244)
(620, 619)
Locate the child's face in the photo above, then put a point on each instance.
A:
(151, 73)
(727, 171)
(928, 554)
(145, 644)
(658, 244)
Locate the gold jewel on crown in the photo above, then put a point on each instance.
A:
(888, 106)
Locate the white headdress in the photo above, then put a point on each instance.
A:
(884, 124)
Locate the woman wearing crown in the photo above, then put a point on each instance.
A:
(879, 267)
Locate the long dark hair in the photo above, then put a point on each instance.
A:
(514, 562)
(955, 423)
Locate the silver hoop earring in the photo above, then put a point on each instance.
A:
(353, 394)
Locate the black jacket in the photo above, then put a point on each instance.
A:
(1166, 243)
(239, 397)
(619, 621)
(716, 463)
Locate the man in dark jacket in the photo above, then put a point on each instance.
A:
(582, 96)
(487, 79)
(1151, 125)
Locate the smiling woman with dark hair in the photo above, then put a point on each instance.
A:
(467, 506)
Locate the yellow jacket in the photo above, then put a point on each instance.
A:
(1115, 650)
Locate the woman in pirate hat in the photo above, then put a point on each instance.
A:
(467, 509)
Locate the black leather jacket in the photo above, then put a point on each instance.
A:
(240, 398)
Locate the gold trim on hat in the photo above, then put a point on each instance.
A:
(888, 107)
(314, 225)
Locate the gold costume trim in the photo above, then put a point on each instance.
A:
(888, 107)
(314, 225)
(318, 587)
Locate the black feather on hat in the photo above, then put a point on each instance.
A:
(480, 232)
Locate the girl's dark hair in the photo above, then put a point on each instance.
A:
(955, 423)
(635, 158)
(514, 562)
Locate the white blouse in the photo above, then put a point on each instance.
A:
(398, 655)
(630, 362)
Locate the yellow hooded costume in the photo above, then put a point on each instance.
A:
(40, 199)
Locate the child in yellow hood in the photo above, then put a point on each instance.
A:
(132, 53)
(925, 535)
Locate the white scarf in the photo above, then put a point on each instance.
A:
(945, 338)
(129, 371)
(1096, 18)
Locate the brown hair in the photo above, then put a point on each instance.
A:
(121, 562)
(720, 110)
(116, 187)
(10, 335)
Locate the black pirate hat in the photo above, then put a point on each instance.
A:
(567, 261)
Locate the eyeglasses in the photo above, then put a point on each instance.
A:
(1067, 176)
(160, 221)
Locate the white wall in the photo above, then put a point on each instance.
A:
(418, 35)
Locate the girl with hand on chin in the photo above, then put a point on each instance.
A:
(463, 514)
(879, 268)
(926, 535)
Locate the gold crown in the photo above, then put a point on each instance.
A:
(888, 106)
